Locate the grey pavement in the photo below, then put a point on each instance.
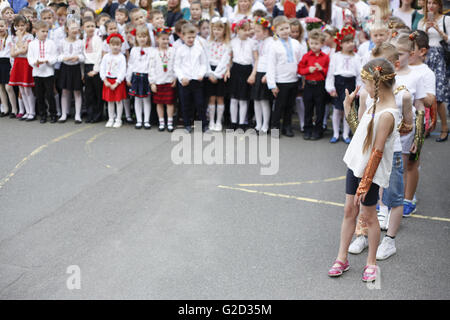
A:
(112, 202)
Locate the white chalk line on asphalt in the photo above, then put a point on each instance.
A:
(337, 204)
(279, 184)
(88, 150)
(37, 151)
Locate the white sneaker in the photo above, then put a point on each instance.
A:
(117, 123)
(358, 245)
(383, 217)
(110, 123)
(218, 127)
(211, 126)
(386, 248)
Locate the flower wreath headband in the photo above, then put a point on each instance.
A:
(239, 24)
(369, 75)
(114, 35)
(159, 31)
(263, 22)
(344, 32)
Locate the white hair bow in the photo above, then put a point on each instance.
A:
(217, 19)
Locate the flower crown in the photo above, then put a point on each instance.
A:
(114, 35)
(345, 31)
(165, 30)
(239, 24)
(370, 75)
(263, 22)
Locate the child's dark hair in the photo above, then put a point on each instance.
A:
(102, 15)
(124, 11)
(86, 20)
(87, 9)
(202, 22)
(420, 39)
(259, 13)
(107, 23)
(153, 13)
(179, 25)
(20, 19)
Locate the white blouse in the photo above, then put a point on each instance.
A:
(264, 47)
(93, 52)
(243, 50)
(5, 47)
(42, 50)
(219, 56)
(70, 49)
(158, 59)
(191, 62)
(428, 78)
(433, 35)
(113, 66)
(139, 61)
(345, 66)
(28, 38)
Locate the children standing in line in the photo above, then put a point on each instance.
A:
(5, 68)
(218, 51)
(260, 92)
(42, 55)
(137, 76)
(112, 72)
(314, 66)
(71, 56)
(369, 161)
(242, 73)
(21, 72)
(191, 65)
(92, 47)
(282, 79)
(343, 73)
(162, 78)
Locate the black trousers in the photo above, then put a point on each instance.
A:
(284, 104)
(43, 89)
(314, 98)
(192, 98)
(93, 93)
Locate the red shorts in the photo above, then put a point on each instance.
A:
(21, 73)
(165, 94)
(118, 94)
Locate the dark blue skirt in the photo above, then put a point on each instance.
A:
(5, 68)
(140, 86)
(341, 83)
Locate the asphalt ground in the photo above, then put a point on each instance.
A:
(137, 226)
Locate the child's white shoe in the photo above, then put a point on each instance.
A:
(110, 123)
(117, 123)
(218, 127)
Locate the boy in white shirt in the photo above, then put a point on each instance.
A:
(191, 65)
(42, 55)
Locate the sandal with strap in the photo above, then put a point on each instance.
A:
(439, 139)
(370, 273)
(336, 271)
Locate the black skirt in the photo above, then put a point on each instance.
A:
(5, 68)
(238, 88)
(140, 86)
(260, 91)
(70, 77)
(215, 89)
(342, 83)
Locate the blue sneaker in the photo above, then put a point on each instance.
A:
(333, 140)
(378, 207)
(408, 208)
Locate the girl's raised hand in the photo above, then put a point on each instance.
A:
(349, 98)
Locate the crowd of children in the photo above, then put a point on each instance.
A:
(248, 67)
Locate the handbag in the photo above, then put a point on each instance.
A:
(445, 47)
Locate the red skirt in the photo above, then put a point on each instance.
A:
(118, 94)
(21, 73)
(165, 94)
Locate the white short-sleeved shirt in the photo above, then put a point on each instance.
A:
(428, 81)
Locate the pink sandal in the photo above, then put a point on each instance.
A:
(339, 270)
(370, 273)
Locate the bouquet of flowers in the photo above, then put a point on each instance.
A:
(160, 5)
(313, 23)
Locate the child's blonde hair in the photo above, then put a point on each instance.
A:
(221, 23)
(294, 22)
(143, 30)
(386, 50)
(316, 34)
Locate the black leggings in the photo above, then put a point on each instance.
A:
(351, 185)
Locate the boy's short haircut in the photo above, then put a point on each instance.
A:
(259, 13)
(134, 11)
(123, 10)
(179, 25)
(386, 50)
(378, 26)
(6, 9)
(30, 10)
(154, 13)
(47, 11)
(40, 25)
(421, 39)
(62, 11)
(189, 29)
(316, 34)
(279, 21)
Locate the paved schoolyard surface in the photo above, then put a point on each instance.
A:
(112, 202)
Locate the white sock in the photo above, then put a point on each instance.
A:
(337, 116)
(258, 114)
(242, 111)
(161, 122)
(233, 110)
(300, 111)
(138, 109)
(169, 121)
(111, 113)
(119, 105)
(21, 106)
(147, 109)
(266, 114)
(220, 110)
(77, 95)
(65, 104)
(346, 128)
(126, 103)
(212, 113)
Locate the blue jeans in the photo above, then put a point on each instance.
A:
(393, 196)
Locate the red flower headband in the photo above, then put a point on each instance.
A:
(114, 35)
(239, 24)
(159, 31)
(340, 35)
(263, 22)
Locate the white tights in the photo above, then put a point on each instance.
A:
(234, 110)
(65, 104)
(29, 101)
(138, 103)
(337, 117)
(111, 112)
(262, 114)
